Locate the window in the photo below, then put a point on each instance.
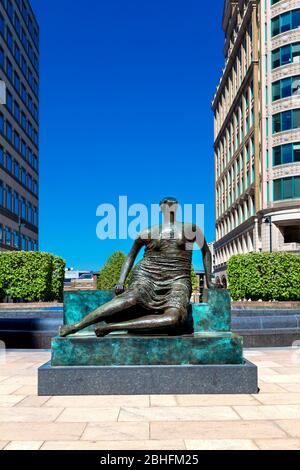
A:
(17, 82)
(7, 236)
(296, 86)
(297, 187)
(275, 26)
(16, 169)
(23, 149)
(24, 66)
(29, 156)
(291, 234)
(16, 240)
(17, 24)
(29, 182)
(8, 163)
(286, 188)
(2, 60)
(295, 19)
(286, 55)
(23, 176)
(1, 124)
(296, 53)
(24, 121)
(296, 153)
(17, 141)
(17, 54)
(286, 120)
(17, 111)
(9, 101)
(1, 194)
(29, 130)
(9, 8)
(16, 203)
(23, 208)
(285, 22)
(24, 94)
(276, 91)
(2, 27)
(286, 88)
(9, 69)
(283, 154)
(29, 212)
(24, 39)
(9, 39)
(287, 154)
(8, 198)
(8, 131)
(296, 118)
(30, 77)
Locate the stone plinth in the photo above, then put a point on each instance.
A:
(121, 350)
(148, 380)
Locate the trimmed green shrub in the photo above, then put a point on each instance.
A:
(110, 273)
(265, 276)
(58, 274)
(31, 276)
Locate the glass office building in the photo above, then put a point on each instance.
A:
(257, 130)
(19, 126)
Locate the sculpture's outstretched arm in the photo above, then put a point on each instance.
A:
(207, 257)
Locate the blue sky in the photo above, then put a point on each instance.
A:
(126, 89)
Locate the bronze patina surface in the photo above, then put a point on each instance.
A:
(160, 286)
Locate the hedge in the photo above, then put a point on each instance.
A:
(265, 276)
(31, 276)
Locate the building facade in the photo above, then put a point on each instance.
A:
(19, 126)
(257, 131)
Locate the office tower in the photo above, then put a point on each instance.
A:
(19, 126)
(257, 131)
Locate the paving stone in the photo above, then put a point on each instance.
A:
(216, 430)
(117, 432)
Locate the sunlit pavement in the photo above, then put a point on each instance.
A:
(270, 420)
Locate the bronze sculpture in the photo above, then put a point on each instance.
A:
(160, 288)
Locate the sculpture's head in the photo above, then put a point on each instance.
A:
(169, 205)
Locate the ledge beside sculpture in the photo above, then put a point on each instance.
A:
(148, 338)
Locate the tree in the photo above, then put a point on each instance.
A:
(194, 279)
(110, 273)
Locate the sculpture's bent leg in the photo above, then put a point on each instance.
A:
(171, 317)
(116, 305)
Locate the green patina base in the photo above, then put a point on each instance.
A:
(211, 343)
(215, 315)
(117, 350)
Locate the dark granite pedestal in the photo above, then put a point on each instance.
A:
(147, 380)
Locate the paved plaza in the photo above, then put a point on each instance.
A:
(270, 420)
